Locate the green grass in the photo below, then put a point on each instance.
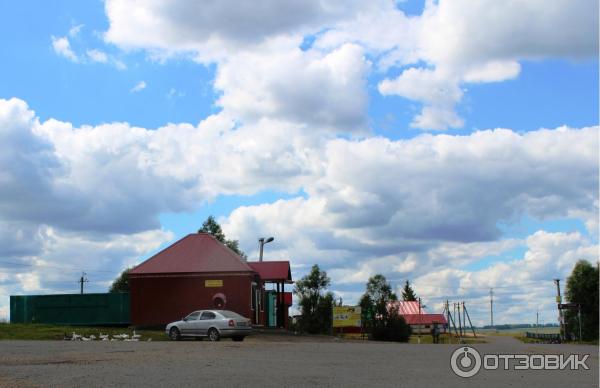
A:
(444, 339)
(34, 331)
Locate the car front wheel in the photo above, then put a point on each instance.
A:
(213, 334)
(174, 334)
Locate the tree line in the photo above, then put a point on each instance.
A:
(379, 316)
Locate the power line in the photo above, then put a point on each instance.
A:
(53, 266)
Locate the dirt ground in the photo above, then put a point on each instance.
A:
(270, 361)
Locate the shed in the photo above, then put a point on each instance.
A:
(419, 320)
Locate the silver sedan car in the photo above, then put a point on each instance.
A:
(213, 324)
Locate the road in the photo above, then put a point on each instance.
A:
(271, 361)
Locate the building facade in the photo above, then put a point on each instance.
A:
(199, 272)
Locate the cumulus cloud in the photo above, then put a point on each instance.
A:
(210, 30)
(62, 47)
(368, 205)
(97, 56)
(462, 42)
(319, 91)
(59, 258)
(407, 207)
(528, 287)
(74, 31)
(437, 90)
(483, 42)
(138, 87)
(118, 178)
(449, 44)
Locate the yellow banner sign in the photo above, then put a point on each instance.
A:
(213, 283)
(346, 316)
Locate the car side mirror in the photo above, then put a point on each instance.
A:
(184, 319)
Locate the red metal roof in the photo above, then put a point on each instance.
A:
(406, 307)
(273, 270)
(424, 319)
(197, 252)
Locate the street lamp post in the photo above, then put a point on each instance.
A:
(261, 243)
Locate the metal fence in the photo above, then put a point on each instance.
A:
(551, 337)
(71, 309)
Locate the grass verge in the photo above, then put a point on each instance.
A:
(34, 331)
(445, 339)
(539, 341)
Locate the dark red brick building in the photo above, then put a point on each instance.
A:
(199, 272)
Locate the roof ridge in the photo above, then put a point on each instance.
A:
(269, 261)
(161, 251)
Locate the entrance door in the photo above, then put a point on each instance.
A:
(271, 310)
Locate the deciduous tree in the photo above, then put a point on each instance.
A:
(211, 226)
(316, 304)
(582, 287)
(121, 283)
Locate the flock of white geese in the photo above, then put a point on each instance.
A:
(106, 337)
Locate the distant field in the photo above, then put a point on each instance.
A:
(53, 332)
(521, 330)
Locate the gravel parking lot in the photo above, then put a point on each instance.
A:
(269, 361)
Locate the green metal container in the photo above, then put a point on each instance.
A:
(71, 309)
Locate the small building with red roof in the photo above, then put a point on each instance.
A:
(199, 272)
(419, 320)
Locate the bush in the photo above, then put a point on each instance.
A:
(394, 329)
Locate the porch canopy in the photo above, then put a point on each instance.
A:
(278, 273)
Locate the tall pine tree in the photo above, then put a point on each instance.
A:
(408, 294)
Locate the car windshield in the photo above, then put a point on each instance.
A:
(230, 314)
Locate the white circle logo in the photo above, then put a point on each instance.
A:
(465, 362)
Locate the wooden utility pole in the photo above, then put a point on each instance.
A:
(470, 323)
(419, 337)
(82, 280)
(459, 321)
(579, 320)
(560, 313)
(492, 308)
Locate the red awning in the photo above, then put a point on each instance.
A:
(272, 271)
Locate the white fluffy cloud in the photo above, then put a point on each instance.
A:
(213, 30)
(380, 197)
(115, 177)
(463, 41)
(138, 87)
(319, 91)
(483, 41)
(521, 286)
(62, 47)
(262, 71)
(370, 205)
(96, 55)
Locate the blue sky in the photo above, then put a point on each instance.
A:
(359, 136)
